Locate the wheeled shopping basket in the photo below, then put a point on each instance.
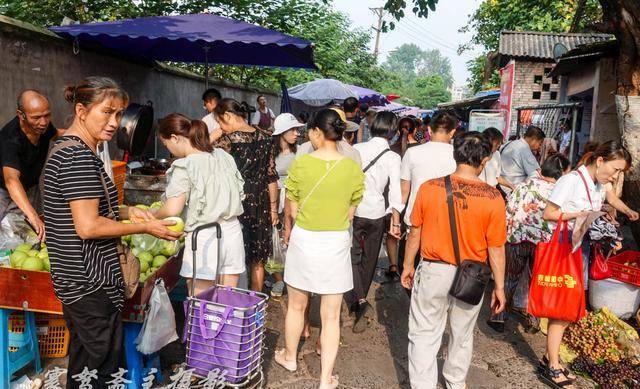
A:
(224, 329)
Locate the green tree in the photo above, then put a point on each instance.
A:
(493, 16)
(436, 63)
(411, 61)
(430, 91)
(406, 59)
(340, 52)
(418, 74)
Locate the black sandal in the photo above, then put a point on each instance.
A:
(567, 373)
(393, 274)
(552, 377)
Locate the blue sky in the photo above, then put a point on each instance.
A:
(439, 30)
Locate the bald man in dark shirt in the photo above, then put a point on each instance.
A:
(23, 151)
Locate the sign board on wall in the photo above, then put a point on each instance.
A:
(479, 120)
(507, 75)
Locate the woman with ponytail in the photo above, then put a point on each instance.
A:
(323, 188)
(204, 186)
(254, 154)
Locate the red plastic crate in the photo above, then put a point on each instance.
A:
(625, 273)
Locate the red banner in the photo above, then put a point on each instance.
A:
(507, 75)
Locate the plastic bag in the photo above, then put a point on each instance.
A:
(103, 154)
(14, 230)
(159, 327)
(557, 290)
(275, 264)
(146, 242)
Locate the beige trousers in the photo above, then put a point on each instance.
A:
(431, 306)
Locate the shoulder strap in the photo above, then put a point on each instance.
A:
(373, 162)
(452, 218)
(72, 143)
(586, 187)
(54, 149)
(318, 184)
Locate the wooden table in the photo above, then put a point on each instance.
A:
(33, 290)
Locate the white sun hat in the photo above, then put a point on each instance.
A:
(284, 122)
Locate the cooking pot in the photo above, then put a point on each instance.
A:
(135, 128)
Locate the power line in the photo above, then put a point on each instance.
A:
(431, 44)
(437, 40)
(444, 46)
(420, 27)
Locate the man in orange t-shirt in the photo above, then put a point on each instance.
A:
(481, 225)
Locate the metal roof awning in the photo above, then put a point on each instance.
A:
(483, 101)
(575, 59)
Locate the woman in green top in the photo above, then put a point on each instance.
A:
(324, 189)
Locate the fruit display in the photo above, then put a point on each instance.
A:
(606, 349)
(151, 251)
(609, 374)
(25, 257)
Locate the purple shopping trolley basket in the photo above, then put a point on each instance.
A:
(225, 330)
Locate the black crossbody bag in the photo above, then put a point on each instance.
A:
(472, 276)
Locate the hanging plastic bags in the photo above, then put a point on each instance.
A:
(159, 327)
(275, 264)
(557, 290)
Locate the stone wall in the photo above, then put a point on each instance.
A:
(36, 58)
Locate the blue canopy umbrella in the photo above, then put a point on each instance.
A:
(369, 96)
(197, 38)
(285, 102)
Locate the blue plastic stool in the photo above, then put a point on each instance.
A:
(138, 365)
(26, 342)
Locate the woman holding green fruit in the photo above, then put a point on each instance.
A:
(205, 186)
(81, 216)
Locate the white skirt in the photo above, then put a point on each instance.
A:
(231, 252)
(319, 261)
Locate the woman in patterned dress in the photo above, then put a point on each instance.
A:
(526, 228)
(254, 155)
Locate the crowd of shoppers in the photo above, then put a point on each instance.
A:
(442, 200)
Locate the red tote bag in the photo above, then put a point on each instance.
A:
(557, 290)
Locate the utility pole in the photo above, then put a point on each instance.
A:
(379, 11)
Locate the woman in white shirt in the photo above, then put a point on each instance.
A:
(575, 195)
(206, 186)
(285, 135)
(492, 172)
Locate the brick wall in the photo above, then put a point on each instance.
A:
(533, 87)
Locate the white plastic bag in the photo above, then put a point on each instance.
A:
(159, 327)
(275, 264)
(103, 154)
(621, 298)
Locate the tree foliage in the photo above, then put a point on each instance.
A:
(493, 16)
(430, 91)
(340, 52)
(411, 61)
(418, 72)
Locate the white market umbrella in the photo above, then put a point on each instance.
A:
(321, 92)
